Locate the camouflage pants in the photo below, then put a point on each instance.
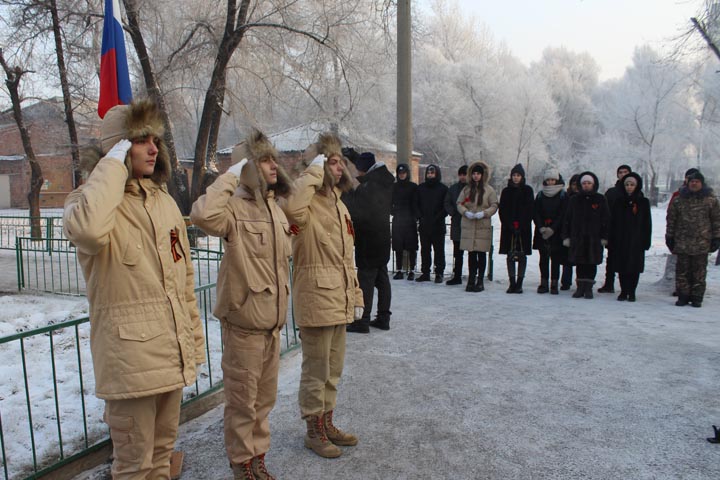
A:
(690, 273)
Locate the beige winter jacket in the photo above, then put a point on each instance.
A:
(145, 332)
(252, 284)
(476, 234)
(325, 287)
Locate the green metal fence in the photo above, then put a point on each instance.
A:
(49, 415)
(48, 265)
(12, 227)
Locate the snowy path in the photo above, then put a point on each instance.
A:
(496, 386)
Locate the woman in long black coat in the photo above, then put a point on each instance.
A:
(404, 221)
(550, 206)
(516, 215)
(585, 232)
(630, 233)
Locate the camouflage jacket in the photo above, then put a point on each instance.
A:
(693, 219)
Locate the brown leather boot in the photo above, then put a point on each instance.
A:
(335, 435)
(317, 441)
(259, 469)
(243, 471)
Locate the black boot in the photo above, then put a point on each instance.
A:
(682, 300)
(411, 275)
(381, 321)
(438, 278)
(607, 287)
(554, 287)
(359, 326)
(589, 289)
(455, 280)
(511, 287)
(518, 285)
(580, 290)
(695, 301)
(425, 277)
(479, 285)
(398, 275)
(543, 287)
(470, 287)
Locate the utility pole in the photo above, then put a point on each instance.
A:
(404, 83)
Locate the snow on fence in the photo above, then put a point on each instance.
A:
(12, 226)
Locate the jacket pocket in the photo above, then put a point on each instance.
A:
(133, 247)
(140, 332)
(255, 238)
(122, 433)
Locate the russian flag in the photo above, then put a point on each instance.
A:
(114, 74)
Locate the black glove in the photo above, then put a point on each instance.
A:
(714, 244)
(350, 154)
(670, 242)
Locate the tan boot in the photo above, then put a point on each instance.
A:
(259, 469)
(335, 435)
(317, 441)
(243, 471)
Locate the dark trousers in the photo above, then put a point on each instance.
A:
(457, 258)
(550, 268)
(629, 282)
(436, 242)
(690, 273)
(586, 272)
(412, 260)
(476, 264)
(370, 279)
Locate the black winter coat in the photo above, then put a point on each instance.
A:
(404, 212)
(550, 212)
(431, 204)
(370, 205)
(630, 233)
(587, 222)
(613, 194)
(516, 205)
(451, 199)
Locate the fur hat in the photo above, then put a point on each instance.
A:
(256, 148)
(697, 176)
(329, 145)
(483, 168)
(137, 120)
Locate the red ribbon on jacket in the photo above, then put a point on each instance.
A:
(294, 229)
(174, 239)
(349, 224)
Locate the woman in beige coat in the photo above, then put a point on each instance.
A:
(252, 293)
(145, 332)
(477, 203)
(326, 292)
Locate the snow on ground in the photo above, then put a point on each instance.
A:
(465, 385)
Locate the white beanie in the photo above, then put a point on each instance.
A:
(551, 172)
(586, 178)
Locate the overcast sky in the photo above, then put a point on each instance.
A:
(607, 29)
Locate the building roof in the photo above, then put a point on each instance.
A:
(296, 139)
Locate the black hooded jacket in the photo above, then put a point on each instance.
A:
(370, 205)
(431, 203)
(404, 215)
(587, 222)
(630, 230)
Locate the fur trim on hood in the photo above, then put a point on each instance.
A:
(595, 180)
(137, 120)
(255, 148)
(329, 145)
(487, 172)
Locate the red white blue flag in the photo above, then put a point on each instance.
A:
(114, 74)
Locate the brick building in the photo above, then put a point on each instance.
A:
(45, 121)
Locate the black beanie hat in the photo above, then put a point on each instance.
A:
(626, 167)
(463, 170)
(477, 168)
(403, 167)
(518, 168)
(364, 161)
(690, 171)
